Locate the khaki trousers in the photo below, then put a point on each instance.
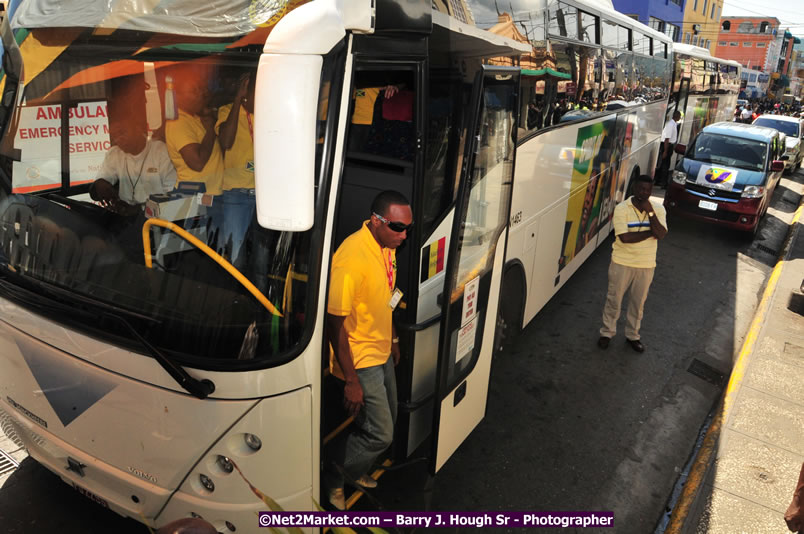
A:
(621, 279)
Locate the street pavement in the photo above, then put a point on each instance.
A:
(749, 479)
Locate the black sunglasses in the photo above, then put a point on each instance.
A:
(393, 225)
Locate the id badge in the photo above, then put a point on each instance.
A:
(395, 298)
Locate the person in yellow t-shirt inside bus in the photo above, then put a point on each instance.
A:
(235, 128)
(365, 99)
(192, 143)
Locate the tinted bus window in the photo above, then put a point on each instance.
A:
(588, 29)
(624, 37)
(564, 21)
(608, 32)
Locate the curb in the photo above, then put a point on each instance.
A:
(705, 454)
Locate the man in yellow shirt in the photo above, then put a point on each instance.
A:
(192, 143)
(638, 225)
(235, 129)
(362, 298)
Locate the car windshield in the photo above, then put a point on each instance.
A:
(126, 169)
(788, 128)
(730, 151)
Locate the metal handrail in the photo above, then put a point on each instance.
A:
(220, 260)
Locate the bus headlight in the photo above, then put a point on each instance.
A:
(679, 177)
(753, 191)
(207, 482)
(225, 464)
(254, 443)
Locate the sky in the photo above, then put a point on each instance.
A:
(789, 12)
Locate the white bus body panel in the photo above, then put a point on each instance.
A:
(138, 439)
(543, 191)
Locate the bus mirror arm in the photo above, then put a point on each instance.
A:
(197, 388)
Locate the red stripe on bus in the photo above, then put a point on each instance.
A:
(33, 188)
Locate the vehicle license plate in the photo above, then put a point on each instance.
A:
(91, 496)
(706, 205)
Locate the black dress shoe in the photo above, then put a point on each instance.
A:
(603, 342)
(636, 345)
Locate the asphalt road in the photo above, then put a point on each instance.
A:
(568, 426)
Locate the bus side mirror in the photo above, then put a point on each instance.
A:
(681, 149)
(285, 107)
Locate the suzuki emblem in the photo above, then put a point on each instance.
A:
(712, 192)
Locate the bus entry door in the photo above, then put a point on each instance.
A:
(475, 261)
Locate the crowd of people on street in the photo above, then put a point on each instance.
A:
(750, 110)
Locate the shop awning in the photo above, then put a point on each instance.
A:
(548, 71)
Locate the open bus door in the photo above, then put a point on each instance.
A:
(475, 262)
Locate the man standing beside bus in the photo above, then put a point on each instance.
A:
(638, 225)
(362, 298)
(669, 139)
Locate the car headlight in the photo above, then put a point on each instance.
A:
(679, 177)
(753, 191)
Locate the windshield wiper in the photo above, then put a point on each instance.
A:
(198, 388)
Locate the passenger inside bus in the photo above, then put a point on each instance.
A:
(136, 167)
(192, 142)
(236, 136)
(382, 117)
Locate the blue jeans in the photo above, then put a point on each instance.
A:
(214, 221)
(374, 425)
(238, 211)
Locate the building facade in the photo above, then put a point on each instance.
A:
(664, 16)
(702, 23)
(763, 48)
(797, 69)
(752, 41)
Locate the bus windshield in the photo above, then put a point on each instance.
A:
(127, 172)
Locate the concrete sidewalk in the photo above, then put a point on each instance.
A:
(753, 467)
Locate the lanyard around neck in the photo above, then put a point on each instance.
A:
(389, 270)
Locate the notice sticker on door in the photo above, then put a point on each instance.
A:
(470, 300)
(466, 340)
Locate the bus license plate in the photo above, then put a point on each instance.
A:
(706, 205)
(91, 496)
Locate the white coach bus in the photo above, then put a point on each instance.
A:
(593, 96)
(705, 90)
(136, 361)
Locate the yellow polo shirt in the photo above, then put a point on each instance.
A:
(238, 161)
(364, 105)
(359, 290)
(627, 218)
(186, 130)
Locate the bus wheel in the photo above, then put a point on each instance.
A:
(509, 313)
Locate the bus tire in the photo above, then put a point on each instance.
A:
(511, 308)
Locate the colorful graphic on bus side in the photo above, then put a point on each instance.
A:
(600, 147)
